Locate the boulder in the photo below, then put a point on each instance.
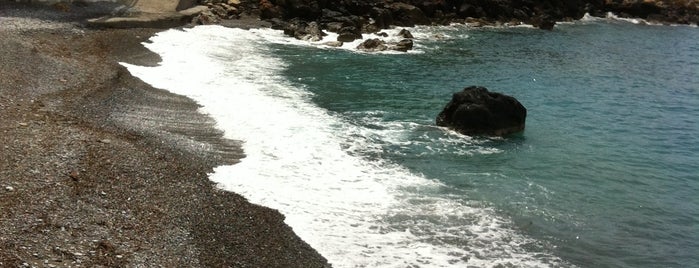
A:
(476, 111)
(403, 45)
(302, 30)
(543, 22)
(407, 15)
(372, 45)
(382, 17)
(269, 10)
(349, 34)
(405, 34)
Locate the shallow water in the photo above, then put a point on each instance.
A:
(343, 143)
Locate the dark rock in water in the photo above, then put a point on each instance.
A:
(544, 22)
(314, 33)
(370, 28)
(372, 45)
(403, 45)
(476, 111)
(405, 34)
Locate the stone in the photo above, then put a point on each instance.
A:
(315, 34)
(403, 45)
(407, 15)
(333, 44)
(334, 27)
(382, 17)
(373, 45)
(205, 18)
(349, 34)
(370, 28)
(302, 30)
(543, 22)
(269, 10)
(405, 34)
(476, 111)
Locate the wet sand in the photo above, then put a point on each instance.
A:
(98, 169)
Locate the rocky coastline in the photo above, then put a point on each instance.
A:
(350, 18)
(98, 169)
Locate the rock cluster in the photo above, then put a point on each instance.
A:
(376, 44)
(350, 17)
(218, 9)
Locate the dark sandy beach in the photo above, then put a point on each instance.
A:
(98, 169)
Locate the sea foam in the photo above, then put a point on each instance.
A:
(302, 160)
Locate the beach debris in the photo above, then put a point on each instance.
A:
(9, 188)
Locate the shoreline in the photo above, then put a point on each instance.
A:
(100, 169)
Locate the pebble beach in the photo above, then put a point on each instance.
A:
(99, 169)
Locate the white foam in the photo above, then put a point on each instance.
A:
(278, 37)
(357, 211)
(609, 16)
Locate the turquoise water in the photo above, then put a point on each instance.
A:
(344, 144)
(606, 173)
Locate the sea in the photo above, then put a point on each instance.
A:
(344, 142)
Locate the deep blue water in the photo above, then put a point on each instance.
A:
(606, 173)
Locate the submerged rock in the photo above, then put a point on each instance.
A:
(476, 111)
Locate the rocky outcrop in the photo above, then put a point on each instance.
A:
(678, 11)
(476, 111)
(299, 29)
(407, 15)
(370, 16)
(375, 45)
